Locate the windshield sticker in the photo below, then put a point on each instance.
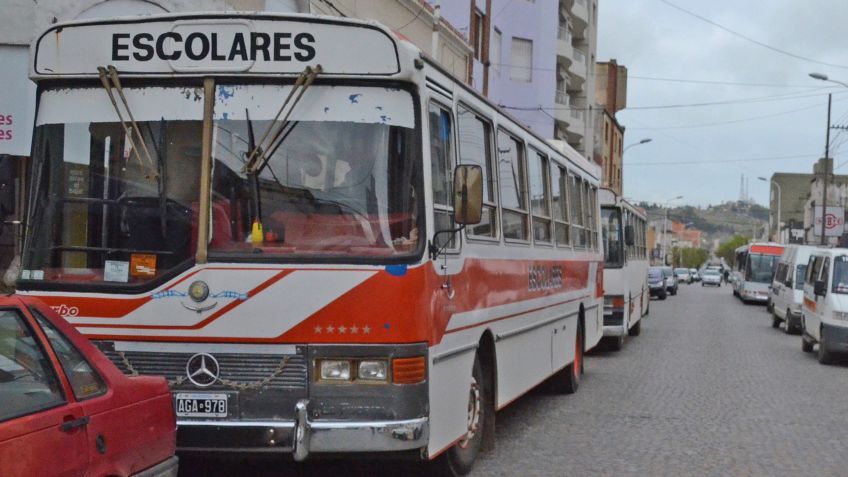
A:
(38, 274)
(116, 271)
(92, 105)
(143, 265)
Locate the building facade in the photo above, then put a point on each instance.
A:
(611, 97)
(535, 58)
(787, 202)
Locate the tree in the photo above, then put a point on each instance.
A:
(726, 249)
(689, 257)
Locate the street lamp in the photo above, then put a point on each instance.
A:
(643, 141)
(823, 77)
(665, 225)
(779, 233)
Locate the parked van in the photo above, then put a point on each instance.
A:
(825, 309)
(787, 288)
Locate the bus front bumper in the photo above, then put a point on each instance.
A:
(303, 436)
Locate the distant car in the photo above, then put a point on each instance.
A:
(67, 410)
(670, 280)
(656, 282)
(683, 275)
(711, 277)
(693, 272)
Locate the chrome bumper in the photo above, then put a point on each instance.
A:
(302, 436)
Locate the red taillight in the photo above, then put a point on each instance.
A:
(409, 370)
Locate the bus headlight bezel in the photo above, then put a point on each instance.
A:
(335, 370)
(373, 370)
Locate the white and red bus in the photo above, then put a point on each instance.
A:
(261, 208)
(626, 293)
(753, 270)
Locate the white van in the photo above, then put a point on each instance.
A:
(825, 310)
(787, 288)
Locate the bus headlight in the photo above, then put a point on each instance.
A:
(373, 370)
(335, 370)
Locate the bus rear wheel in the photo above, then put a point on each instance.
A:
(459, 459)
(636, 330)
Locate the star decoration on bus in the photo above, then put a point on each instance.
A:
(342, 329)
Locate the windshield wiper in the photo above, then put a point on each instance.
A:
(109, 78)
(257, 159)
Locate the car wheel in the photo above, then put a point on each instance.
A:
(788, 329)
(806, 344)
(567, 380)
(663, 295)
(825, 356)
(459, 459)
(636, 330)
(775, 321)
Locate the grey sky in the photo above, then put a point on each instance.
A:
(655, 40)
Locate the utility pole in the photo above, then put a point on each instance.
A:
(826, 161)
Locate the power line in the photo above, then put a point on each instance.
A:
(727, 83)
(420, 9)
(731, 121)
(747, 38)
(723, 161)
(759, 99)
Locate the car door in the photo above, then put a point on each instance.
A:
(42, 429)
(820, 273)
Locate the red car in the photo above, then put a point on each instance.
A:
(66, 410)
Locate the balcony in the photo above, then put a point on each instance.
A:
(563, 102)
(578, 66)
(564, 48)
(580, 11)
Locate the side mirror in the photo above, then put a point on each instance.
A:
(468, 194)
(629, 235)
(819, 288)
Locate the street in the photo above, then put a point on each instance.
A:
(709, 388)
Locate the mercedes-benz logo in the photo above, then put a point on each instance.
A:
(202, 369)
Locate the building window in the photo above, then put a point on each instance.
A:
(495, 48)
(521, 60)
(475, 138)
(511, 170)
(477, 24)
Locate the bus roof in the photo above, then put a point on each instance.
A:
(608, 197)
(198, 44)
(769, 248)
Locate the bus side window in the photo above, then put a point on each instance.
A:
(576, 197)
(825, 274)
(513, 190)
(441, 164)
(475, 147)
(540, 197)
(560, 204)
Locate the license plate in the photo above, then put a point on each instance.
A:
(201, 405)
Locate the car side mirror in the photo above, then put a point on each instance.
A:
(629, 235)
(468, 194)
(819, 288)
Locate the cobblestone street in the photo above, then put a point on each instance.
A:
(709, 388)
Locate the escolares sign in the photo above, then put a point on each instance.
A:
(186, 44)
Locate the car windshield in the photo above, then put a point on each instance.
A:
(612, 237)
(666, 271)
(654, 273)
(710, 273)
(760, 267)
(679, 271)
(840, 274)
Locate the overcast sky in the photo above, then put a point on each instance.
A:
(655, 40)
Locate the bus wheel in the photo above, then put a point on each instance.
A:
(567, 380)
(459, 459)
(636, 330)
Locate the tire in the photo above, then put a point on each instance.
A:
(806, 346)
(663, 296)
(459, 459)
(636, 330)
(788, 329)
(616, 343)
(775, 321)
(674, 291)
(824, 356)
(567, 380)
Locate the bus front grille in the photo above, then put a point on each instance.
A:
(246, 371)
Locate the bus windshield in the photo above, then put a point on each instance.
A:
(760, 267)
(840, 275)
(612, 237)
(343, 183)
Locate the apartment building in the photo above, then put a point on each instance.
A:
(536, 59)
(611, 97)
